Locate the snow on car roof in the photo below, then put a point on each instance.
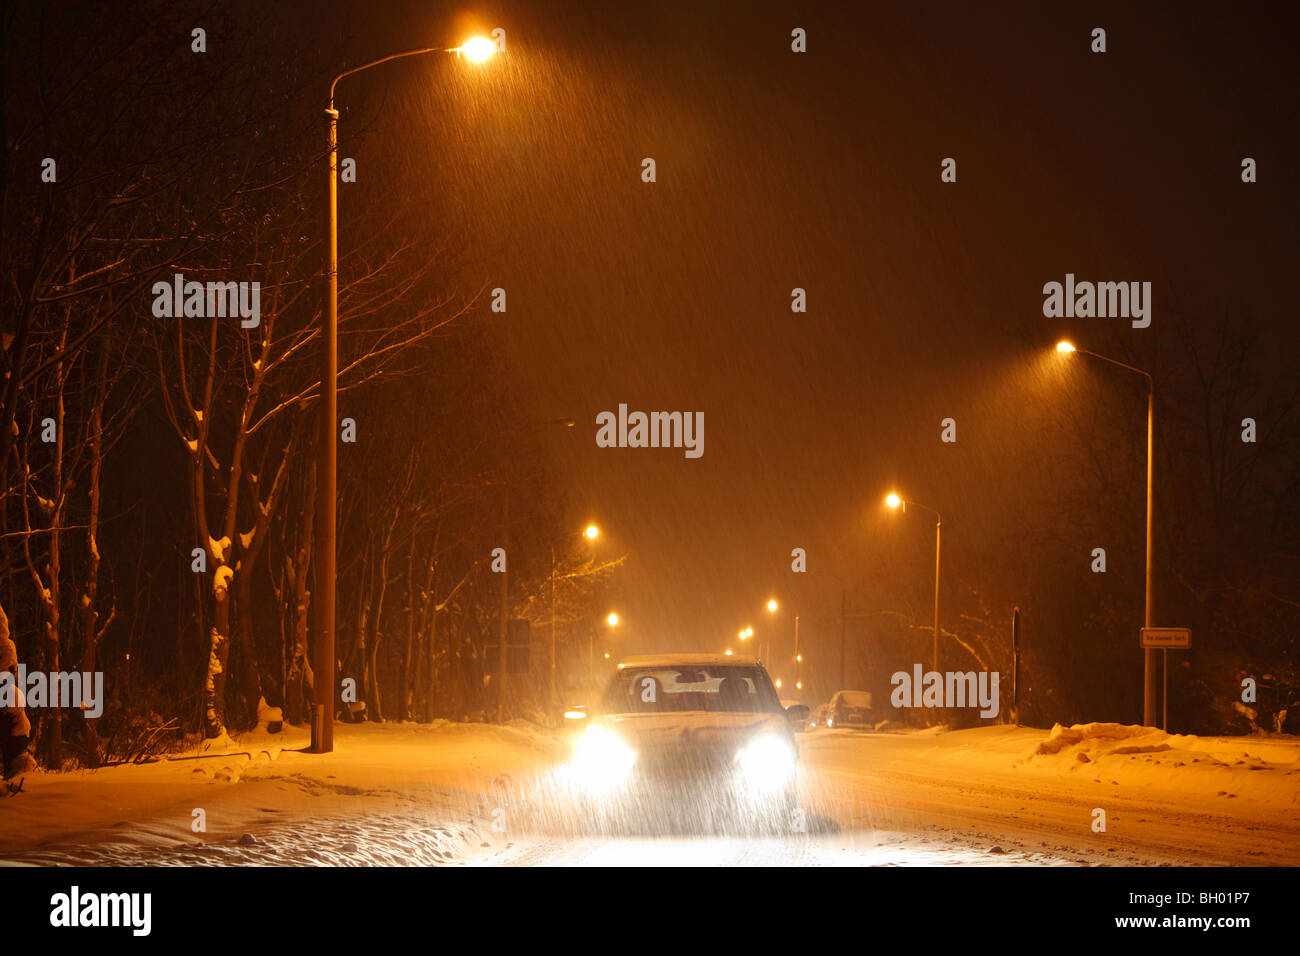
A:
(863, 696)
(686, 660)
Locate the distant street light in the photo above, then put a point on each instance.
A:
(323, 689)
(1149, 654)
(612, 621)
(771, 605)
(895, 501)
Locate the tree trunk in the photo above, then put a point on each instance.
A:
(297, 691)
(214, 709)
(412, 611)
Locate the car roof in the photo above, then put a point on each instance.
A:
(687, 660)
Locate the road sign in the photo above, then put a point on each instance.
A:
(1174, 638)
(517, 658)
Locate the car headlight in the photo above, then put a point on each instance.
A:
(601, 760)
(767, 763)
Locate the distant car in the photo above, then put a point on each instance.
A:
(696, 734)
(818, 718)
(800, 726)
(850, 709)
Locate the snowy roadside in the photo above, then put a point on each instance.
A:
(389, 794)
(1262, 768)
(1167, 799)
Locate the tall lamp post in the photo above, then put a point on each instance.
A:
(591, 533)
(612, 621)
(797, 659)
(894, 501)
(1149, 653)
(323, 683)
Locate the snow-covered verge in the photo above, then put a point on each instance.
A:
(1264, 768)
(1167, 799)
(389, 793)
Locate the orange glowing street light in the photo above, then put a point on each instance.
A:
(477, 49)
(324, 690)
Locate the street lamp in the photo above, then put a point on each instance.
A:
(1149, 654)
(612, 621)
(894, 501)
(322, 723)
(478, 49)
(772, 607)
(591, 533)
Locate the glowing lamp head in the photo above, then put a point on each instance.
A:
(893, 500)
(772, 605)
(749, 632)
(1065, 348)
(727, 652)
(592, 532)
(478, 49)
(612, 620)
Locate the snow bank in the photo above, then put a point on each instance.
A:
(1263, 768)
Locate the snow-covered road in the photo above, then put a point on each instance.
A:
(467, 794)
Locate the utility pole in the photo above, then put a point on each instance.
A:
(505, 604)
(938, 528)
(324, 680)
(1015, 666)
(550, 687)
(844, 616)
(798, 664)
(1150, 680)
(1149, 653)
(322, 717)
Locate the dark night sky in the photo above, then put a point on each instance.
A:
(821, 170)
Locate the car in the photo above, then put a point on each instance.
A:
(818, 718)
(850, 709)
(801, 726)
(693, 738)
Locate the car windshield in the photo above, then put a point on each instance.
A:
(714, 688)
